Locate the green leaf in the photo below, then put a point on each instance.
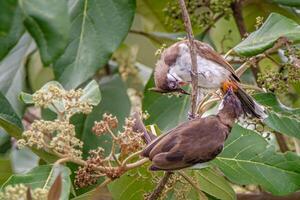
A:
(283, 124)
(166, 112)
(114, 101)
(249, 159)
(5, 170)
(12, 72)
(273, 28)
(295, 3)
(98, 28)
(281, 118)
(11, 27)
(38, 75)
(9, 120)
(43, 177)
(49, 24)
(94, 194)
(23, 160)
(270, 100)
(92, 93)
(212, 183)
(132, 185)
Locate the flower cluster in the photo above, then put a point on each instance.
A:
(129, 140)
(90, 173)
(87, 175)
(67, 102)
(57, 136)
(17, 192)
(108, 122)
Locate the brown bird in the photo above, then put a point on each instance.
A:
(195, 141)
(173, 70)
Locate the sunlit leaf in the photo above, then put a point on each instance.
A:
(98, 28)
(248, 158)
(274, 27)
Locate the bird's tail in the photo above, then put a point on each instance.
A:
(250, 106)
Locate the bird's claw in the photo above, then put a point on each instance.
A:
(191, 116)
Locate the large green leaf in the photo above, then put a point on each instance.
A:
(284, 124)
(164, 111)
(9, 120)
(281, 118)
(5, 170)
(98, 28)
(249, 159)
(114, 101)
(12, 72)
(212, 183)
(274, 27)
(288, 2)
(43, 177)
(11, 27)
(49, 24)
(132, 185)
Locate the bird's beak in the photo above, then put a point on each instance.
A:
(182, 83)
(182, 91)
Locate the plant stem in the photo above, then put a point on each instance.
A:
(160, 186)
(136, 164)
(130, 157)
(281, 142)
(188, 29)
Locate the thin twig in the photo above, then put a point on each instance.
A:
(160, 186)
(281, 142)
(130, 157)
(188, 29)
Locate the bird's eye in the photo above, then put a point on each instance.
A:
(172, 85)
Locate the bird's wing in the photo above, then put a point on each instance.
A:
(196, 142)
(207, 52)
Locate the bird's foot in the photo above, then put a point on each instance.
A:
(191, 116)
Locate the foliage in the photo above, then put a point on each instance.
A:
(72, 72)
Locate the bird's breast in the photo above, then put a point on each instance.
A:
(210, 73)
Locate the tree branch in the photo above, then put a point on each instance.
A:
(236, 7)
(188, 28)
(281, 142)
(160, 187)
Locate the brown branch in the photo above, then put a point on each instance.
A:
(281, 142)
(267, 196)
(188, 28)
(236, 7)
(160, 187)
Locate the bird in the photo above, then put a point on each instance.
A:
(173, 71)
(195, 141)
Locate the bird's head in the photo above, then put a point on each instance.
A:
(166, 82)
(231, 106)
